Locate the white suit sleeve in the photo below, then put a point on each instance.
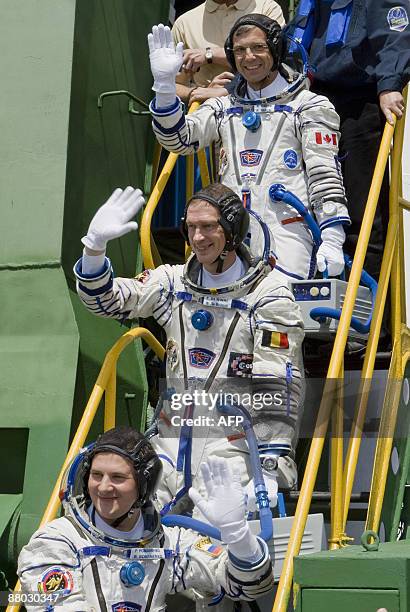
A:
(319, 131)
(149, 294)
(185, 134)
(277, 376)
(209, 567)
(49, 564)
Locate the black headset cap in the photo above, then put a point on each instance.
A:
(234, 217)
(132, 445)
(273, 33)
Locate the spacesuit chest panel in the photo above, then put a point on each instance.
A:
(253, 161)
(250, 155)
(134, 597)
(206, 350)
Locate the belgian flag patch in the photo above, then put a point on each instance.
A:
(275, 339)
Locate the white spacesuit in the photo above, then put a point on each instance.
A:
(244, 338)
(285, 134)
(91, 565)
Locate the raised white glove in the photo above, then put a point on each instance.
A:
(113, 219)
(271, 484)
(330, 251)
(225, 507)
(166, 59)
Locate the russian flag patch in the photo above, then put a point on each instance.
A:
(206, 546)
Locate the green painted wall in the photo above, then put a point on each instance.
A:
(60, 159)
(107, 148)
(38, 334)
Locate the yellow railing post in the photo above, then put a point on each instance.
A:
(203, 167)
(384, 443)
(155, 163)
(189, 183)
(352, 454)
(397, 282)
(393, 249)
(337, 466)
(110, 399)
(395, 377)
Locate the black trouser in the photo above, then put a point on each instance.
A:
(361, 127)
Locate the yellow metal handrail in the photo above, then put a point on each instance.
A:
(389, 414)
(352, 454)
(330, 389)
(105, 382)
(153, 260)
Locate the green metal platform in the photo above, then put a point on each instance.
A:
(353, 579)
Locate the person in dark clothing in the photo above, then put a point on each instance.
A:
(360, 56)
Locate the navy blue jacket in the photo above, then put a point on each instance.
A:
(367, 45)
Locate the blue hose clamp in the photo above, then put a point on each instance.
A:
(132, 574)
(251, 121)
(202, 319)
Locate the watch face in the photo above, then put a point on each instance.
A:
(208, 55)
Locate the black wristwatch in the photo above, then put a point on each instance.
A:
(208, 55)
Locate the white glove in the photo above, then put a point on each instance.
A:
(113, 219)
(271, 484)
(166, 60)
(330, 251)
(225, 507)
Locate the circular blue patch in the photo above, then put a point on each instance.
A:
(132, 573)
(290, 158)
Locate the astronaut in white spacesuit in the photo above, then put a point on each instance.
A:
(110, 553)
(271, 130)
(230, 326)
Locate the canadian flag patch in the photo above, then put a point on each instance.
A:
(325, 138)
